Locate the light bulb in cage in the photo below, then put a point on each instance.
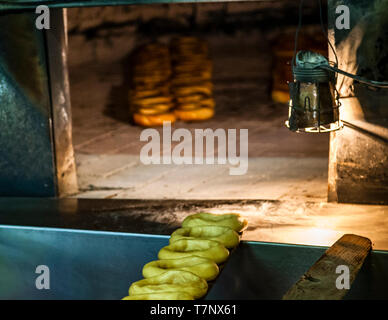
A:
(314, 104)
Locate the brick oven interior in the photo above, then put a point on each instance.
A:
(243, 39)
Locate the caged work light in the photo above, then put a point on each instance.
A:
(314, 100)
(314, 104)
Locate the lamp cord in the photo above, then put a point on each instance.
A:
(300, 14)
(326, 35)
(297, 32)
(371, 83)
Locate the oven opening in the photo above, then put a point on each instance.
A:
(250, 46)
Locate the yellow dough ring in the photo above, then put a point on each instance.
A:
(201, 59)
(224, 235)
(194, 71)
(171, 281)
(205, 89)
(202, 267)
(150, 90)
(198, 99)
(192, 66)
(149, 80)
(154, 109)
(152, 100)
(190, 51)
(202, 74)
(195, 247)
(231, 220)
(200, 83)
(158, 68)
(193, 98)
(193, 50)
(151, 76)
(188, 106)
(153, 120)
(142, 94)
(187, 81)
(152, 79)
(136, 86)
(199, 114)
(196, 105)
(189, 54)
(161, 296)
(139, 94)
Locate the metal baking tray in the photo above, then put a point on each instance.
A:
(102, 265)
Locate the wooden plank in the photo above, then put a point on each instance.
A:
(319, 282)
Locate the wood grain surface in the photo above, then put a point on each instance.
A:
(319, 282)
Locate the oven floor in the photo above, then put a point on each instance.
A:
(282, 165)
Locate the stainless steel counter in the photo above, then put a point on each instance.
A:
(102, 265)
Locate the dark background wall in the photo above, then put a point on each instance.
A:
(101, 33)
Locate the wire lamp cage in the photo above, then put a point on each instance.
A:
(314, 101)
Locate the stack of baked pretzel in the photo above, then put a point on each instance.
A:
(191, 79)
(149, 96)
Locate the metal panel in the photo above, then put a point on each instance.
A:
(263, 270)
(82, 264)
(267, 270)
(26, 154)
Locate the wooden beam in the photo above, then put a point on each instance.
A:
(319, 282)
(56, 39)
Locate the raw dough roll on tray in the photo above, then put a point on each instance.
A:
(191, 259)
(161, 296)
(171, 281)
(202, 267)
(224, 235)
(191, 80)
(150, 98)
(195, 247)
(231, 220)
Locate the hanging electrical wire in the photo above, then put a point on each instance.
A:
(372, 83)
